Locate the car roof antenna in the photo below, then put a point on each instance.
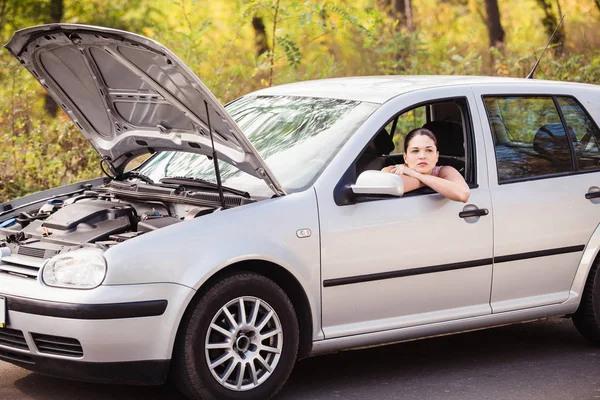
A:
(530, 76)
(215, 160)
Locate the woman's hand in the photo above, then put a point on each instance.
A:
(408, 171)
(394, 169)
(407, 174)
(449, 183)
(398, 169)
(403, 169)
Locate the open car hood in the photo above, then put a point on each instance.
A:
(130, 95)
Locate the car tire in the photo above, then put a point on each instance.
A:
(261, 346)
(587, 316)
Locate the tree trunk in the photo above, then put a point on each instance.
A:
(56, 10)
(399, 8)
(550, 23)
(272, 55)
(408, 15)
(260, 36)
(495, 31)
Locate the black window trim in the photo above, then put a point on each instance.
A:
(574, 161)
(343, 195)
(554, 97)
(588, 115)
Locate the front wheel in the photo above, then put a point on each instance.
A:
(238, 341)
(587, 317)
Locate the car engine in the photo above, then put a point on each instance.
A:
(104, 216)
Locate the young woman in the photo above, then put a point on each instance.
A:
(420, 157)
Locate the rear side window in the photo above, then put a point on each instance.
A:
(529, 137)
(584, 132)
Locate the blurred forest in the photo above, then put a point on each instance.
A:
(236, 46)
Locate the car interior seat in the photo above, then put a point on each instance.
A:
(450, 141)
(374, 157)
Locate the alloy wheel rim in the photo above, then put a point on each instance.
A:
(243, 343)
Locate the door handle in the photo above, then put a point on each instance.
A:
(478, 212)
(592, 195)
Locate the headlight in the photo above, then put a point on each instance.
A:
(79, 269)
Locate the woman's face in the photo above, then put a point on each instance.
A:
(421, 154)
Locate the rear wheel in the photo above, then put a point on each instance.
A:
(239, 341)
(587, 317)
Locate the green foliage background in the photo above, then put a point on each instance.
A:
(313, 39)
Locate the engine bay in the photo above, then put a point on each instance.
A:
(108, 214)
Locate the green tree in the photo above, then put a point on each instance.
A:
(242, 45)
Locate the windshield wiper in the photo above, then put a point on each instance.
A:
(201, 183)
(140, 176)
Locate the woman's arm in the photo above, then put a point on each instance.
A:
(410, 183)
(449, 183)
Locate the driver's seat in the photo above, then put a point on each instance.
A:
(450, 142)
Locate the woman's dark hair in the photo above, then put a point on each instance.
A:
(419, 132)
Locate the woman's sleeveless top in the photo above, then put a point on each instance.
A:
(436, 171)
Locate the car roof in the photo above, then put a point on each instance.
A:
(379, 89)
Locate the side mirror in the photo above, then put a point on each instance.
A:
(378, 183)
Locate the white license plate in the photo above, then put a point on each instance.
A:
(2, 312)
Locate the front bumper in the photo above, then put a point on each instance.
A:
(120, 334)
(152, 372)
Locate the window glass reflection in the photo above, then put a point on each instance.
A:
(529, 137)
(296, 136)
(584, 132)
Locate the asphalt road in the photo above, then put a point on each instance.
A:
(539, 360)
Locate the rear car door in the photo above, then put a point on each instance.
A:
(544, 171)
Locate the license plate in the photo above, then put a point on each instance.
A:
(2, 312)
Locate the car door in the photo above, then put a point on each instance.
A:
(540, 174)
(400, 262)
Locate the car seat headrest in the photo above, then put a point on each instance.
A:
(381, 144)
(551, 142)
(449, 137)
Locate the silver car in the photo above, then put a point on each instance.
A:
(263, 232)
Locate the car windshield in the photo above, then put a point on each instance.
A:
(296, 136)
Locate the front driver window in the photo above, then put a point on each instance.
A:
(445, 118)
(407, 121)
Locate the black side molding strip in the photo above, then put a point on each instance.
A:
(87, 311)
(407, 272)
(539, 253)
(449, 267)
